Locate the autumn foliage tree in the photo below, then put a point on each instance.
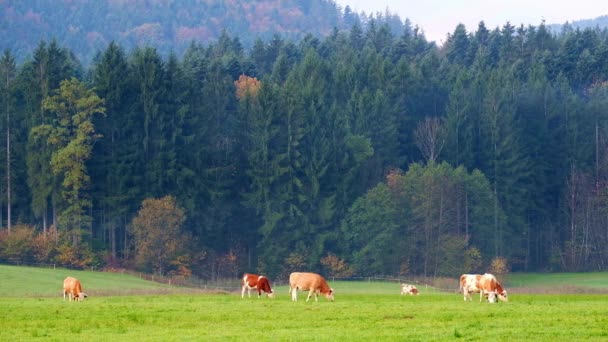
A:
(157, 234)
(247, 86)
(336, 267)
(72, 134)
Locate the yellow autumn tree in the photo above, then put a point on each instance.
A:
(247, 86)
(157, 234)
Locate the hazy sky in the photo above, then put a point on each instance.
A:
(438, 17)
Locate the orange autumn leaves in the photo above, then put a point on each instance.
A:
(247, 87)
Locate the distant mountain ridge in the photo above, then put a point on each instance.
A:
(599, 22)
(87, 26)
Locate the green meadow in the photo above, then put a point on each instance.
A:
(362, 311)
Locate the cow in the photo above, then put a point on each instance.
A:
(485, 284)
(469, 284)
(489, 286)
(311, 282)
(409, 289)
(257, 282)
(73, 289)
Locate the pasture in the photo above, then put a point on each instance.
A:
(363, 311)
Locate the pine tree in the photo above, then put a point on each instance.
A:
(111, 169)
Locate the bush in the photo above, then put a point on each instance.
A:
(16, 247)
(336, 267)
(499, 267)
(75, 256)
(293, 263)
(472, 260)
(44, 248)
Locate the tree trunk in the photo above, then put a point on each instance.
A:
(8, 157)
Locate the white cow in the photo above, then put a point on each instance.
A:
(409, 289)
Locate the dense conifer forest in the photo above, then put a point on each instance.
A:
(364, 152)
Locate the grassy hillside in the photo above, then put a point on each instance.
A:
(594, 280)
(45, 282)
(18, 281)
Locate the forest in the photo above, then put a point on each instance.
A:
(87, 26)
(360, 153)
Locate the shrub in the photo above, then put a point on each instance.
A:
(499, 267)
(16, 247)
(44, 248)
(78, 256)
(336, 267)
(472, 260)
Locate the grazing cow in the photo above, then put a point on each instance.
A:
(257, 282)
(469, 284)
(486, 285)
(489, 286)
(409, 289)
(311, 282)
(73, 289)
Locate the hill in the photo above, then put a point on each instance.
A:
(599, 22)
(47, 282)
(88, 26)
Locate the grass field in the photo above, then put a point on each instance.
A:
(363, 311)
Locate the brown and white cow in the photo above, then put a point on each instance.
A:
(256, 282)
(469, 283)
(485, 284)
(409, 289)
(311, 282)
(73, 289)
(489, 286)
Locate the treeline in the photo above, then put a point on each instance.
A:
(361, 153)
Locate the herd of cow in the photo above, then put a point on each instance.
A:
(485, 284)
(298, 281)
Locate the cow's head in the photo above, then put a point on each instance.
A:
(330, 295)
(270, 294)
(492, 297)
(503, 296)
(82, 296)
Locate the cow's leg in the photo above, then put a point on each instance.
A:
(294, 294)
(64, 295)
(243, 291)
(310, 292)
(259, 293)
